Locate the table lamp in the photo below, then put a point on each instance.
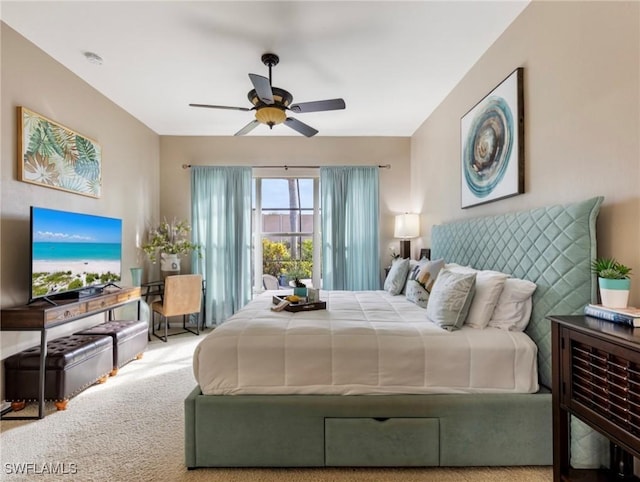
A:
(407, 227)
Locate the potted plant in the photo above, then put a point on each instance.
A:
(297, 272)
(614, 282)
(171, 241)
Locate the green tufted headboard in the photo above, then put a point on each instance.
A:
(551, 246)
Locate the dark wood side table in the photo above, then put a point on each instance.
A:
(596, 378)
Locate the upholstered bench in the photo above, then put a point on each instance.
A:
(130, 339)
(73, 363)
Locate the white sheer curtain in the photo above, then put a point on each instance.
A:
(221, 219)
(350, 228)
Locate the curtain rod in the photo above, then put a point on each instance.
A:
(285, 167)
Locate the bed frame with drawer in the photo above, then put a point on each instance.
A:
(551, 246)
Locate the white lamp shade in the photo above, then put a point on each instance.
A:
(407, 226)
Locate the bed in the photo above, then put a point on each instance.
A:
(363, 343)
(238, 424)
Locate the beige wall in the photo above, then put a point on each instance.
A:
(130, 177)
(582, 121)
(267, 151)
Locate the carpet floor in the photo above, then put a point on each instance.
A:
(132, 429)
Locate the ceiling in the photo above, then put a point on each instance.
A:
(392, 62)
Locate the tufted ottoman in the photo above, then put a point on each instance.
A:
(73, 363)
(130, 339)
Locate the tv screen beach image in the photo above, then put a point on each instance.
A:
(71, 251)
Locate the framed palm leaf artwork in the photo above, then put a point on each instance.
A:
(52, 155)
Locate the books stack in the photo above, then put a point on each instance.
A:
(626, 316)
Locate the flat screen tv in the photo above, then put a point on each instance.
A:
(73, 253)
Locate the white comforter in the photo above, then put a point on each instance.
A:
(365, 342)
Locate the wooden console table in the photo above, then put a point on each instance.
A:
(596, 378)
(42, 316)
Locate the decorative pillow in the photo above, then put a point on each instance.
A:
(451, 298)
(416, 293)
(397, 276)
(513, 310)
(429, 272)
(489, 285)
(414, 269)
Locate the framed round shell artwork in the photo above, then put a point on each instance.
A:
(492, 145)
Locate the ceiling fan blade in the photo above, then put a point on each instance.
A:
(301, 127)
(248, 128)
(263, 88)
(318, 105)
(245, 109)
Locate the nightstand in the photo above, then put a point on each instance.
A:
(596, 378)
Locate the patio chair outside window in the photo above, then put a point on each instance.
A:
(270, 282)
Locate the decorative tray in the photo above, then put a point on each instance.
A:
(294, 307)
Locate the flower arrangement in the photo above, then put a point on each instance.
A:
(170, 238)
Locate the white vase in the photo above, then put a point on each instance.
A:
(169, 264)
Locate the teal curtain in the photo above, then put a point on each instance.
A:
(350, 228)
(221, 221)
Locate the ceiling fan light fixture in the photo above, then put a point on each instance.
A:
(271, 115)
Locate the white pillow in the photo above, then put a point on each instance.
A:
(455, 265)
(513, 310)
(489, 285)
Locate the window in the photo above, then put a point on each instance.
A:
(286, 229)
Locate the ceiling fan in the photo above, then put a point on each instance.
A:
(271, 104)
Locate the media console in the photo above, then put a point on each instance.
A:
(41, 316)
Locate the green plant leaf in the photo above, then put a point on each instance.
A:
(610, 268)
